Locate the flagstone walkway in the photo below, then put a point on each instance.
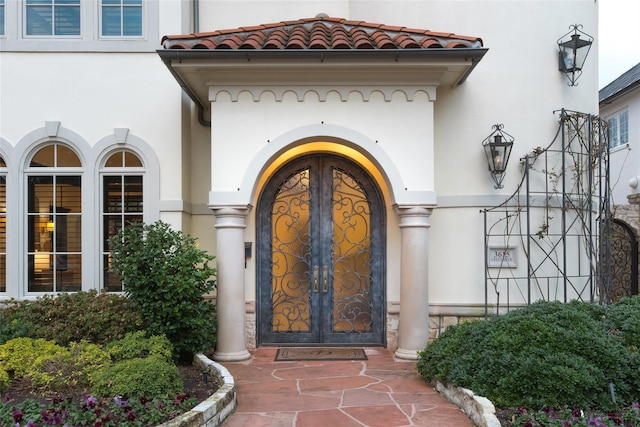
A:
(381, 391)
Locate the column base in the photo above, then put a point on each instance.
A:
(231, 357)
(406, 354)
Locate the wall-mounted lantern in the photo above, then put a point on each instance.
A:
(573, 52)
(497, 146)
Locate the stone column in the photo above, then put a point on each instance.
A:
(230, 225)
(413, 328)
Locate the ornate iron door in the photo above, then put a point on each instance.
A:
(621, 258)
(320, 255)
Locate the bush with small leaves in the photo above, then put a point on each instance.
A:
(5, 381)
(547, 354)
(95, 317)
(152, 377)
(137, 345)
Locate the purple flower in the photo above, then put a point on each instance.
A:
(90, 401)
(120, 401)
(131, 416)
(17, 415)
(577, 413)
(635, 406)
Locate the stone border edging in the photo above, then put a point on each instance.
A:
(478, 408)
(213, 411)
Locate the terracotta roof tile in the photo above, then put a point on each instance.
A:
(322, 32)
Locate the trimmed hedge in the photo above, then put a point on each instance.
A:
(547, 354)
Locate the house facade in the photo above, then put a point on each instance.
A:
(620, 107)
(329, 154)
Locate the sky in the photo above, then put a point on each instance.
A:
(619, 38)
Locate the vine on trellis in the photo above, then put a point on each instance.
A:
(555, 218)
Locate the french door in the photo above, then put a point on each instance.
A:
(320, 255)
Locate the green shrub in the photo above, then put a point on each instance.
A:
(12, 323)
(51, 367)
(151, 377)
(73, 367)
(5, 382)
(623, 320)
(165, 273)
(65, 318)
(137, 345)
(19, 355)
(547, 354)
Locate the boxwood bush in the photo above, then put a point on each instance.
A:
(547, 354)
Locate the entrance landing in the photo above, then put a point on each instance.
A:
(381, 391)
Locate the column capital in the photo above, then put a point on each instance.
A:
(413, 215)
(231, 216)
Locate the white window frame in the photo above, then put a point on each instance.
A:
(53, 6)
(618, 138)
(3, 218)
(90, 39)
(122, 8)
(56, 171)
(119, 172)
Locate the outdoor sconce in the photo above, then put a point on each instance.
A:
(573, 53)
(497, 147)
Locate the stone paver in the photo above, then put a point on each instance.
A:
(381, 391)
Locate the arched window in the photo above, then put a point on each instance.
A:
(3, 225)
(54, 220)
(122, 204)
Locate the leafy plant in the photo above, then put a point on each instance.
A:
(152, 376)
(137, 345)
(166, 274)
(547, 354)
(97, 318)
(90, 411)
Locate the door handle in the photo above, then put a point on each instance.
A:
(325, 278)
(316, 271)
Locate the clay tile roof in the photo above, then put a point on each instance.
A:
(321, 32)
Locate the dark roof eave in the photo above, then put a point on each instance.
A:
(321, 54)
(609, 99)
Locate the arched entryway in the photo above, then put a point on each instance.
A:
(320, 255)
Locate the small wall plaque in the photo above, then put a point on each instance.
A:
(502, 256)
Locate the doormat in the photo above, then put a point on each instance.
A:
(319, 353)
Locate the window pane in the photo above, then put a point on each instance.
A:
(68, 272)
(132, 194)
(117, 2)
(111, 21)
(40, 274)
(1, 17)
(133, 2)
(613, 132)
(112, 194)
(39, 20)
(624, 127)
(68, 194)
(131, 160)
(132, 21)
(67, 21)
(3, 164)
(40, 194)
(45, 157)
(115, 160)
(67, 157)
